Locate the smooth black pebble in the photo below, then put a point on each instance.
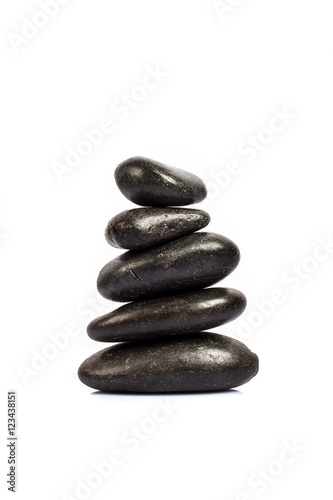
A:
(141, 228)
(182, 313)
(188, 263)
(151, 183)
(201, 362)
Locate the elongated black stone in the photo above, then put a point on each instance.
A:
(181, 313)
(141, 228)
(180, 363)
(188, 263)
(151, 183)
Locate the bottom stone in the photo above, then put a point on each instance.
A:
(192, 362)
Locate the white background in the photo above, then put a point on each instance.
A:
(225, 77)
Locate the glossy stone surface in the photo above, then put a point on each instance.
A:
(141, 228)
(151, 183)
(188, 263)
(180, 363)
(181, 313)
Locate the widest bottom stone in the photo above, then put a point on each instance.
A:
(180, 363)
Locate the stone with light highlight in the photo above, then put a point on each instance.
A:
(141, 228)
(188, 263)
(151, 183)
(184, 312)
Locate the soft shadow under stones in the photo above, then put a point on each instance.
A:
(227, 392)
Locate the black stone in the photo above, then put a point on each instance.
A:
(141, 228)
(181, 363)
(151, 183)
(188, 263)
(182, 313)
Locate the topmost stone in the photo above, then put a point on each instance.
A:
(150, 183)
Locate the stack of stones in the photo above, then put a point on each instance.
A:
(161, 345)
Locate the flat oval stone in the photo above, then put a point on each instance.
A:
(151, 183)
(180, 363)
(145, 227)
(181, 313)
(188, 263)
